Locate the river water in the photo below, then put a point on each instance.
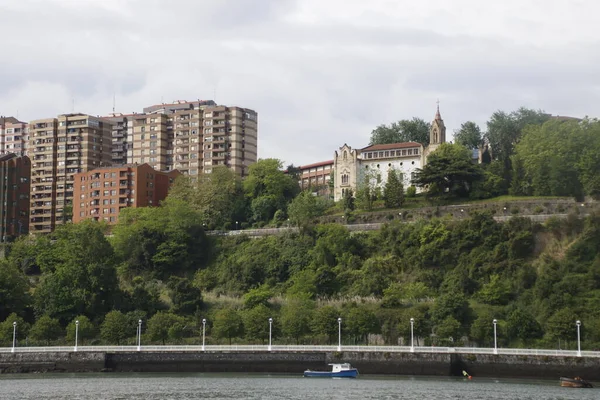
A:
(266, 387)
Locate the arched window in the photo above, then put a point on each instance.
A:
(345, 155)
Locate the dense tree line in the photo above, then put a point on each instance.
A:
(452, 276)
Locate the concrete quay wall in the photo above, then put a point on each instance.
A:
(295, 362)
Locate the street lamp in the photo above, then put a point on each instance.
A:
(495, 321)
(76, 333)
(14, 336)
(203, 332)
(412, 337)
(270, 331)
(339, 334)
(578, 339)
(236, 225)
(139, 346)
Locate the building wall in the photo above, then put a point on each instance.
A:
(15, 177)
(14, 136)
(102, 193)
(60, 148)
(194, 137)
(316, 177)
(346, 171)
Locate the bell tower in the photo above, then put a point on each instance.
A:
(437, 134)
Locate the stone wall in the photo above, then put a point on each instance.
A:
(546, 367)
(498, 209)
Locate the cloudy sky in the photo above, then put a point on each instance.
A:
(320, 73)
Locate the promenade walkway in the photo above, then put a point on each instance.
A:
(307, 349)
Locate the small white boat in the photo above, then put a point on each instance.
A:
(337, 371)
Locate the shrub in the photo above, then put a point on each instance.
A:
(411, 191)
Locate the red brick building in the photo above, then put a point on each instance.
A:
(103, 192)
(316, 177)
(15, 180)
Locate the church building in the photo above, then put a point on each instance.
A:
(356, 168)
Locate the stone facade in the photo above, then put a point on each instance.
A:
(371, 165)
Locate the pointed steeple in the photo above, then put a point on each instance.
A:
(437, 134)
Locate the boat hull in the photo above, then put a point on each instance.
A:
(575, 383)
(351, 373)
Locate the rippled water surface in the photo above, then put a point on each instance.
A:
(238, 386)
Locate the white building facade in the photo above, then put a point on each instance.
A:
(356, 168)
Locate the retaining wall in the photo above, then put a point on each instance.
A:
(296, 362)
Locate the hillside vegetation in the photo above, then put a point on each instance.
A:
(453, 276)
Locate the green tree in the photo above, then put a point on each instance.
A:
(504, 131)
(14, 289)
(114, 329)
(85, 332)
(451, 305)
(257, 296)
(217, 198)
(161, 240)
(79, 275)
(228, 324)
(163, 326)
(348, 200)
(324, 322)
(522, 325)
(469, 135)
(360, 322)
(548, 159)
(6, 329)
(495, 292)
(448, 328)
(185, 296)
(393, 192)
(413, 130)
(46, 329)
(482, 329)
(305, 208)
(449, 172)
(561, 325)
(256, 322)
(266, 180)
(296, 316)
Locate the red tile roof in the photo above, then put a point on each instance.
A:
(391, 146)
(319, 164)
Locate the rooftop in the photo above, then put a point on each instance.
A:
(391, 146)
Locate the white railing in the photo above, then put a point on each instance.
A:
(305, 349)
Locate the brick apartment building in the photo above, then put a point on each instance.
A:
(102, 193)
(59, 148)
(15, 173)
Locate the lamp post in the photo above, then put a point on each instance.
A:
(270, 331)
(76, 334)
(236, 225)
(139, 346)
(203, 332)
(578, 339)
(495, 321)
(339, 334)
(412, 336)
(14, 336)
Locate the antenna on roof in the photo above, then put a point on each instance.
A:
(114, 101)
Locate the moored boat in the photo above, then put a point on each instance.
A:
(337, 371)
(576, 382)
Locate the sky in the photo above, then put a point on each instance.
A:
(320, 73)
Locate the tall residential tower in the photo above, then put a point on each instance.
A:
(60, 148)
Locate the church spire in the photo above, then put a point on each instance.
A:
(437, 114)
